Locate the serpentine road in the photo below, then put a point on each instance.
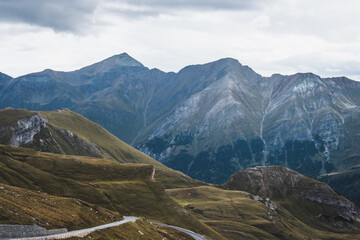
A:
(86, 231)
(188, 232)
(79, 233)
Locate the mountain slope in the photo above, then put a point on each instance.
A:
(128, 189)
(309, 200)
(66, 132)
(26, 207)
(4, 80)
(240, 215)
(242, 120)
(211, 120)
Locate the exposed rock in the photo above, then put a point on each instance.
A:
(282, 184)
(34, 132)
(26, 129)
(266, 201)
(80, 145)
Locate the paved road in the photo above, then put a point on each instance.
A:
(86, 231)
(79, 233)
(194, 235)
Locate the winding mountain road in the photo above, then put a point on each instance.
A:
(191, 233)
(79, 233)
(86, 231)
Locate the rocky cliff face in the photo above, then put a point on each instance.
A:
(294, 190)
(26, 129)
(212, 120)
(32, 130)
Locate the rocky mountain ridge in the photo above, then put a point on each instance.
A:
(211, 120)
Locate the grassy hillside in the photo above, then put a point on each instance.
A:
(236, 215)
(21, 206)
(67, 132)
(25, 207)
(112, 147)
(311, 201)
(125, 188)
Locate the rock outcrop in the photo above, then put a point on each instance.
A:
(26, 129)
(295, 190)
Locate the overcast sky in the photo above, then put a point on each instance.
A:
(271, 36)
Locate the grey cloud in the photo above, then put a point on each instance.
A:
(78, 16)
(132, 13)
(194, 4)
(61, 16)
(141, 8)
(322, 65)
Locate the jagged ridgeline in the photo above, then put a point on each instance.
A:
(208, 121)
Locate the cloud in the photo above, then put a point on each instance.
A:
(78, 16)
(140, 8)
(191, 4)
(61, 16)
(270, 36)
(328, 64)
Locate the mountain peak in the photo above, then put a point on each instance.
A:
(124, 59)
(307, 75)
(116, 61)
(227, 61)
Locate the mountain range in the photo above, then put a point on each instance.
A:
(210, 120)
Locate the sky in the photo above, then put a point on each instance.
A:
(270, 36)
